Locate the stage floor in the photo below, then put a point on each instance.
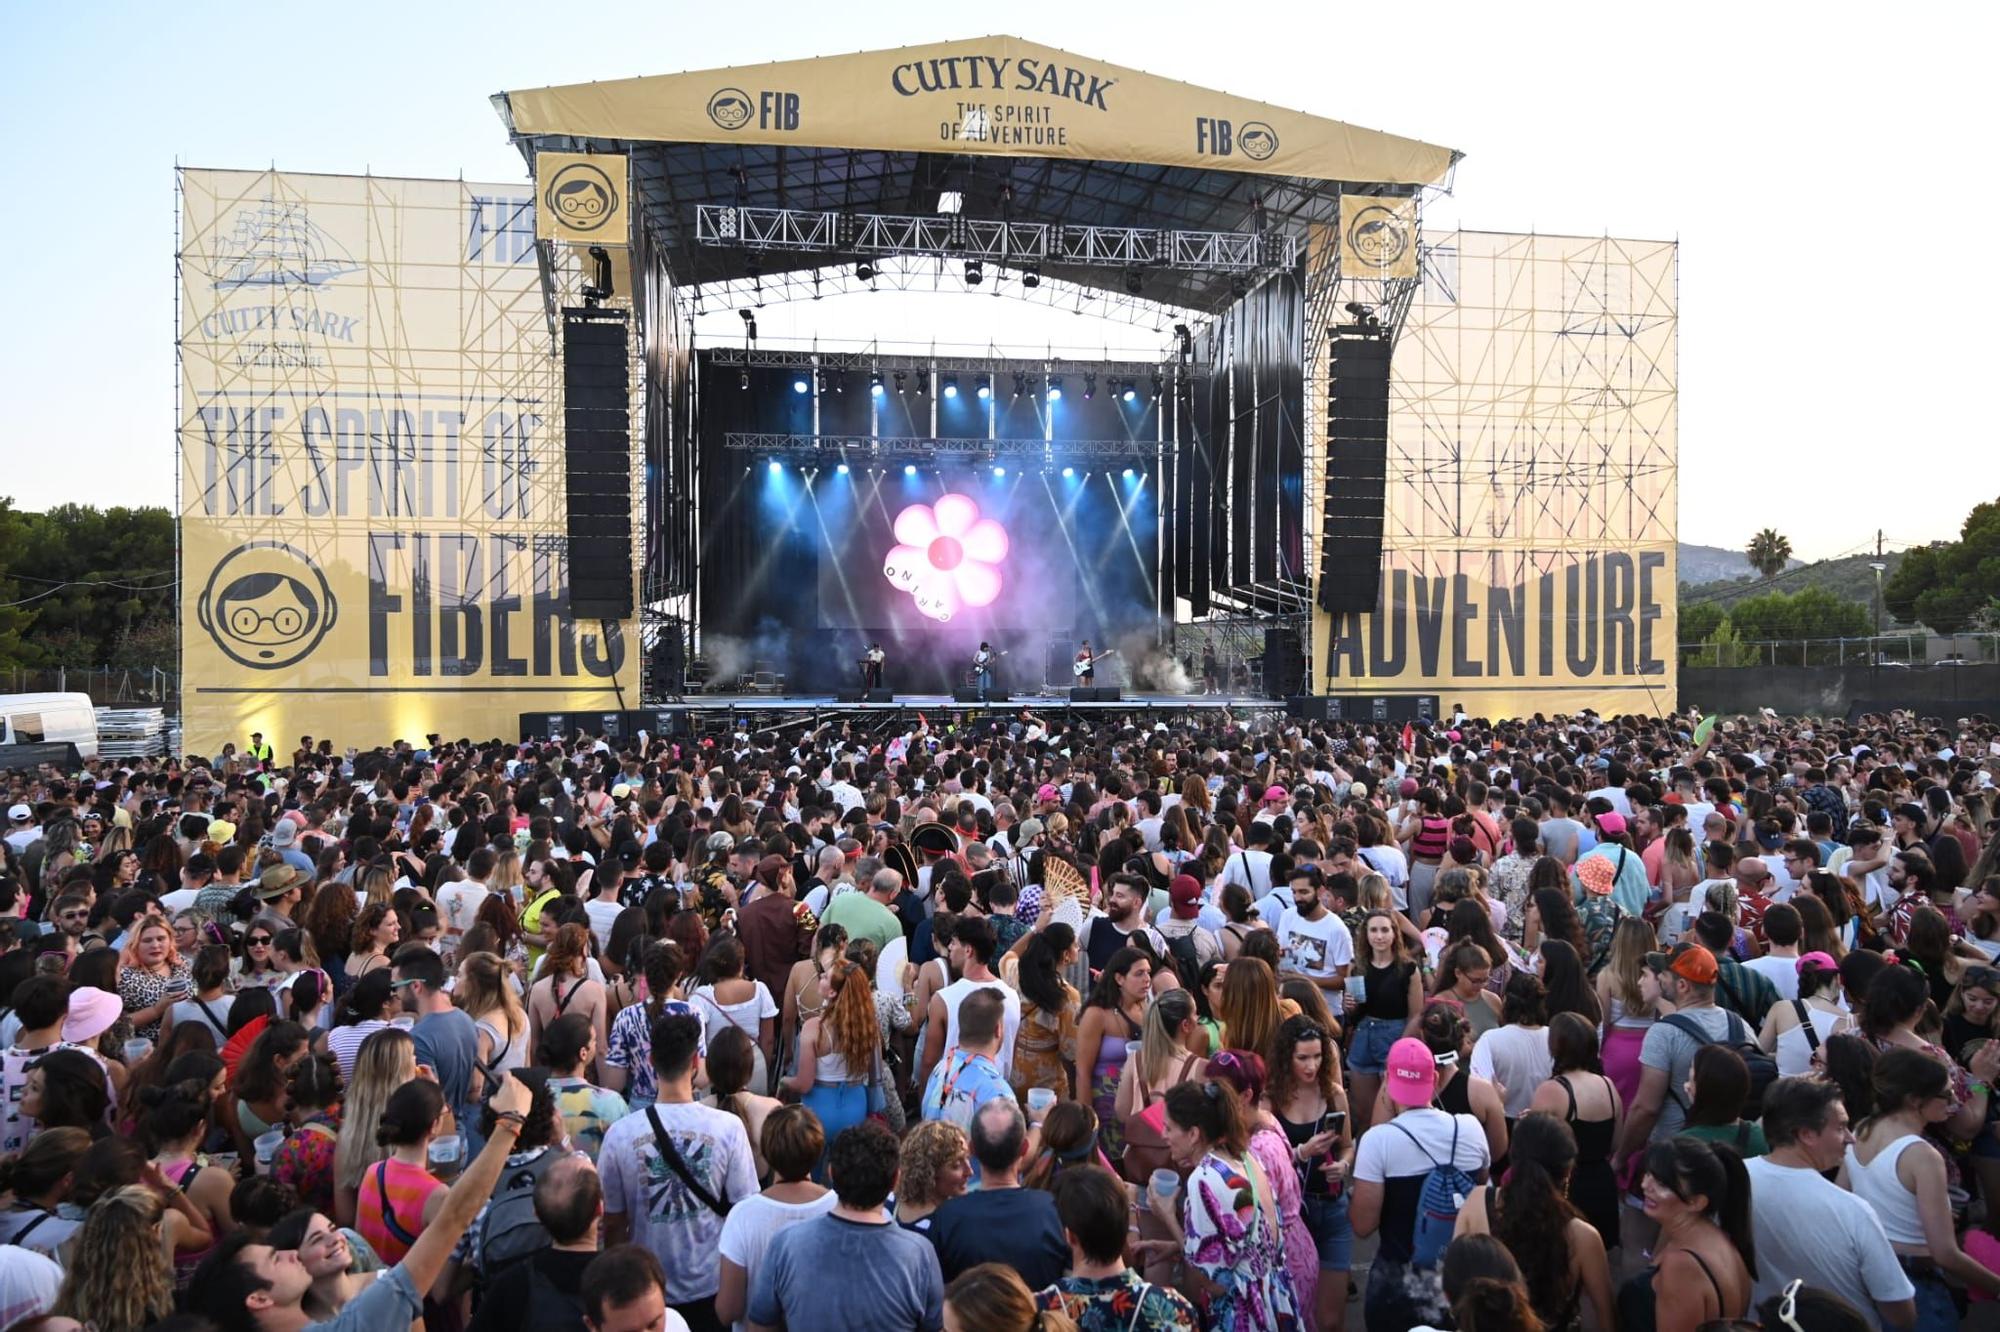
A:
(1132, 702)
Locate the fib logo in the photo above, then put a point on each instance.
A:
(582, 195)
(266, 605)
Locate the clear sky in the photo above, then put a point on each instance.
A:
(1820, 170)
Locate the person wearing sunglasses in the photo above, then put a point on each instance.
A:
(258, 967)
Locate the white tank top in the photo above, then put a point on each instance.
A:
(1010, 1023)
(1876, 1184)
(1795, 1051)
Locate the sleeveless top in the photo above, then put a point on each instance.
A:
(1456, 1098)
(1433, 838)
(1569, 1317)
(1619, 1018)
(1479, 1015)
(1795, 1049)
(1635, 1296)
(1315, 1185)
(390, 1210)
(1877, 1185)
(1388, 991)
(1594, 1137)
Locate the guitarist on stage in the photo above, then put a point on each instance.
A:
(1086, 665)
(982, 670)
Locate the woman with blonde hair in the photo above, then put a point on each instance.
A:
(118, 1278)
(1678, 870)
(152, 977)
(1372, 893)
(935, 1163)
(838, 1051)
(1250, 1012)
(992, 1298)
(373, 885)
(1168, 1053)
(1627, 1015)
(386, 1061)
(486, 997)
(506, 876)
(566, 987)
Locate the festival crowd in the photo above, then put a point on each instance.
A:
(1022, 1025)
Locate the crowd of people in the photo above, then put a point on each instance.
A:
(1120, 1025)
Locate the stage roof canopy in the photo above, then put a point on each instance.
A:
(1018, 131)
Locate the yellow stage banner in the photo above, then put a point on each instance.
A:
(373, 520)
(582, 198)
(1378, 237)
(988, 96)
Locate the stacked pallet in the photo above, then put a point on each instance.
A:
(131, 732)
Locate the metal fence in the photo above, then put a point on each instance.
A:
(1894, 651)
(108, 686)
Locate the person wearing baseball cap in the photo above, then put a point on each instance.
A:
(1391, 1165)
(1183, 920)
(1685, 976)
(21, 830)
(1614, 843)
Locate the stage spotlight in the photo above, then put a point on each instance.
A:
(842, 469)
(743, 379)
(774, 467)
(864, 271)
(819, 381)
(801, 385)
(909, 469)
(951, 386)
(1020, 384)
(1133, 281)
(1069, 471)
(1089, 386)
(999, 471)
(1055, 389)
(1031, 277)
(975, 273)
(875, 383)
(985, 388)
(1159, 384)
(1128, 474)
(749, 324)
(1131, 393)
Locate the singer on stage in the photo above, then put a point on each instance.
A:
(871, 666)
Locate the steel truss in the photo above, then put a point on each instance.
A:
(825, 448)
(930, 273)
(959, 237)
(866, 360)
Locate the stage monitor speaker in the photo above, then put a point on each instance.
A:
(597, 447)
(1364, 707)
(856, 695)
(969, 694)
(1354, 496)
(1056, 667)
(1096, 694)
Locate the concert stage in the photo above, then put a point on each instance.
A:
(708, 714)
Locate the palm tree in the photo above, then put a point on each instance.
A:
(1769, 553)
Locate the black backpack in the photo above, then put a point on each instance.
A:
(1186, 959)
(511, 1231)
(1738, 1037)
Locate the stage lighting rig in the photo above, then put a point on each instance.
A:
(875, 384)
(864, 271)
(1159, 384)
(1186, 336)
(951, 386)
(598, 290)
(1131, 393)
(1089, 386)
(975, 273)
(743, 379)
(902, 382)
(749, 325)
(1055, 389)
(1020, 383)
(985, 387)
(1031, 277)
(800, 384)
(1134, 281)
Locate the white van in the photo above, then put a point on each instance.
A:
(53, 719)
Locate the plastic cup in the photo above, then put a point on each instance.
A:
(136, 1049)
(266, 1145)
(1165, 1184)
(1040, 1099)
(444, 1153)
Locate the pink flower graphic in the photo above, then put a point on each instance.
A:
(947, 556)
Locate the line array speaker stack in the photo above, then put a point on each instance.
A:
(597, 443)
(1284, 661)
(1357, 470)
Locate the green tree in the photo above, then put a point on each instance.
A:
(99, 585)
(1811, 612)
(1769, 553)
(1700, 620)
(1951, 585)
(1725, 647)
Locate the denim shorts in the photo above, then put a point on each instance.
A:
(1369, 1052)
(1326, 1218)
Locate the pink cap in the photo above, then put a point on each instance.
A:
(1412, 1073)
(1277, 794)
(1817, 961)
(1048, 792)
(1612, 822)
(1408, 788)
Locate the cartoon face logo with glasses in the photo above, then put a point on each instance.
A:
(266, 605)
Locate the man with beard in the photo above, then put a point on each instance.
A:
(1314, 942)
(1124, 916)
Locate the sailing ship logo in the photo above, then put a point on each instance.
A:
(277, 245)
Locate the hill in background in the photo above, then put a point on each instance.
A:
(1714, 564)
(1706, 574)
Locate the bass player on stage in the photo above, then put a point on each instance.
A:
(1086, 665)
(871, 666)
